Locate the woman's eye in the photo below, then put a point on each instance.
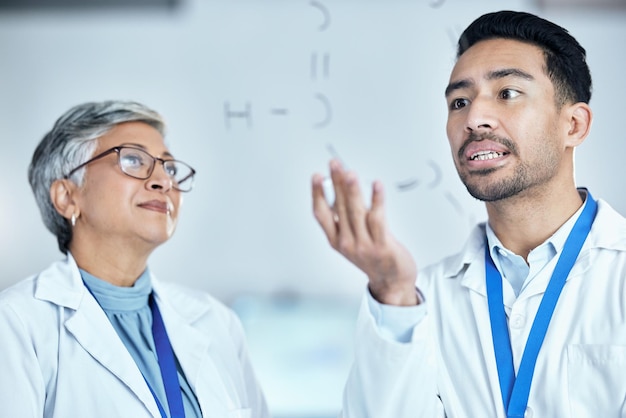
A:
(132, 160)
(458, 104)
(171, 170)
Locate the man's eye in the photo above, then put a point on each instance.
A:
(509, 94)
(458, 104)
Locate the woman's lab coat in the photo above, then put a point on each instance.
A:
(449, 370)
(60, 357)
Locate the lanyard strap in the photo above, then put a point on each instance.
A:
(515, 390)
(167, 364)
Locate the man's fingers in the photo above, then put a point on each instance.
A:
(376, 222)
(322, 211)
(338, 176)
(350, 208)
(362, 236)
(356, 210)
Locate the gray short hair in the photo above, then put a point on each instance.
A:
(72, 141)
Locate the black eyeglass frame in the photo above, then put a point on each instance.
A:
(117, 150)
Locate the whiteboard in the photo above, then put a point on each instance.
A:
(260, 95)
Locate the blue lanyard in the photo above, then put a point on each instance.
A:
(515, 390)
(167, 364)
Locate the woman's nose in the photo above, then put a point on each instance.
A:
(159, 179)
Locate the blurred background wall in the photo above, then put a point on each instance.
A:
(258, 96)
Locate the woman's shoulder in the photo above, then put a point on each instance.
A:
(22, 312)
(20, 294)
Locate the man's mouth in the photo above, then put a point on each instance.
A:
(486, 155)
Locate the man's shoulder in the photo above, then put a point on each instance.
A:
(609, 228)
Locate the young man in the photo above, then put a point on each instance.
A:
(529, 319)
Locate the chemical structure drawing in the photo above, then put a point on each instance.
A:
(238, 116)
(325, 15)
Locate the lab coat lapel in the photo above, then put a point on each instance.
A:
(61, 284)
(480, 308)
(93, 330)
(193, 351)
(469, 264)
(469, 268)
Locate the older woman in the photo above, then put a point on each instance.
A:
(97, 335)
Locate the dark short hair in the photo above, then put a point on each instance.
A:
(566, 63)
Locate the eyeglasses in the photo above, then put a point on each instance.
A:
(138, 164)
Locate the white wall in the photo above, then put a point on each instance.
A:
(247, 226)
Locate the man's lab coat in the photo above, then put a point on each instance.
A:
(61, 357)
(449, 369)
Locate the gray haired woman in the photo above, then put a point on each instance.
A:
(97, 335)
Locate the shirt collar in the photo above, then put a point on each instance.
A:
(555, 243)
(118, 298)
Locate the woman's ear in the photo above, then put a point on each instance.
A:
(579, 118)
(62, 196)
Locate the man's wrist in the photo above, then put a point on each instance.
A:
(404, 297)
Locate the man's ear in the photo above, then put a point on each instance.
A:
(62, 195)
(579, 117)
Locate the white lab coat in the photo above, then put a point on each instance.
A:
(449, 369)
(60, 357)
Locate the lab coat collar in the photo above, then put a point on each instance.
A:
(608, 231)
(469, 262)
(61, 284)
